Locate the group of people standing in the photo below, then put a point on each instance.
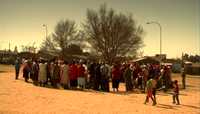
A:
(56, 73)
(97, 76)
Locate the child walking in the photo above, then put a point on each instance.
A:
(150, 92)
(176, 93)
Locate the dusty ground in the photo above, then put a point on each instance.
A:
(18, 97)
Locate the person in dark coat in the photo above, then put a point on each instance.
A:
(35, 68)
(104, 77)
(56, 75)
(97, 77)
(128, 78)
(17, 68)
(91, 71)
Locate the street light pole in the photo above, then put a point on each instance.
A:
(157, 23)
(44, 25)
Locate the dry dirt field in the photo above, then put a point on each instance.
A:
(18, 97)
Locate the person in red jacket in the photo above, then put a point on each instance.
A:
(116, 75)
(81, 76)
(73, 75)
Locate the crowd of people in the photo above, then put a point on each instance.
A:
(94, 75)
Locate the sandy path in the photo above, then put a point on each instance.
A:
(18, 97)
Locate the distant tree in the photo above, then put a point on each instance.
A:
(29, 48)
(194, 58)
(62, 40)
(185, 57)
(191, 58)
(112, 34)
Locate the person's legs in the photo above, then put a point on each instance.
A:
(26, 78)
(154, 95)
(40, 83)
(44, 84)
(144, 86)
(107, 86)
(54, 84)
(117, 85)
(113, 84)
(173, 97)
(177, 99)
(146, 100)
(153, 100)
(17, 74)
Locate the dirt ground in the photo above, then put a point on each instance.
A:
(18, 97)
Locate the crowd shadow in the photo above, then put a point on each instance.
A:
(191, 106)
(122, 92)
(3, 71)
(165, 106)
(164, 94)
(189, 86)
(89, 90)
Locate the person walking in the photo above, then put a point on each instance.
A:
(149, 88)
(154, 88)
(175, 95)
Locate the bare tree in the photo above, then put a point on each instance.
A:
(64, 35)
(29, 48)
(112, 34)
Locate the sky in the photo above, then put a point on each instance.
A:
(21, 21)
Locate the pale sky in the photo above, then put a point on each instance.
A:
(21, 21)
